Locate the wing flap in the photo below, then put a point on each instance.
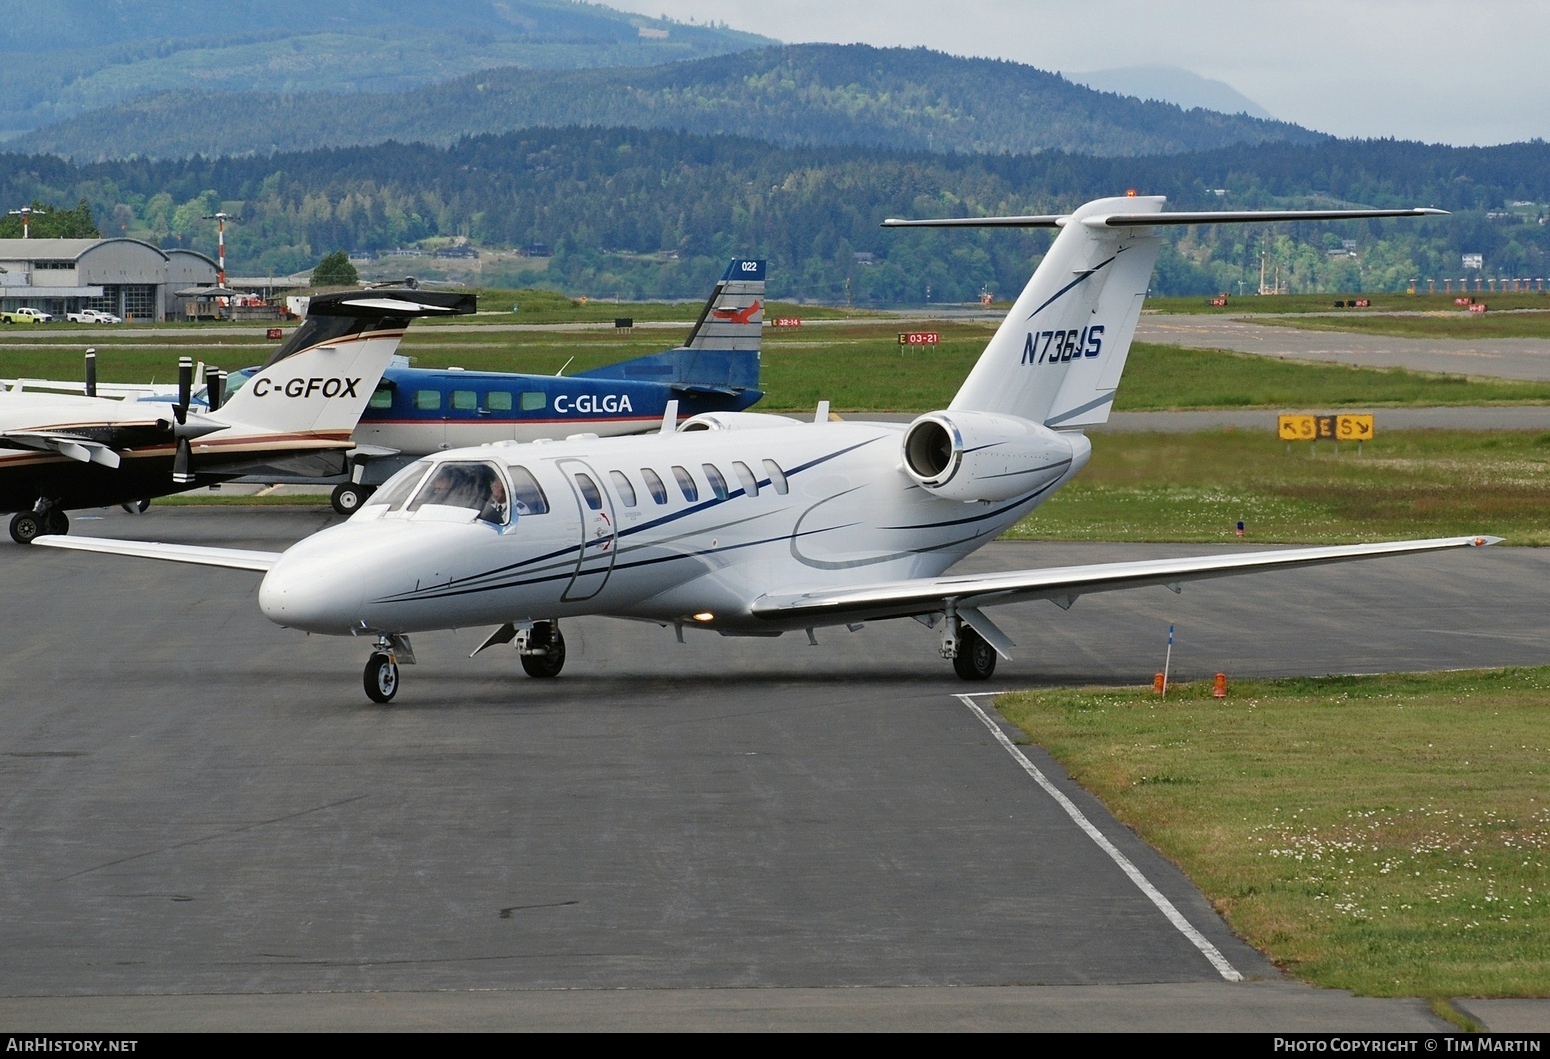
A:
(230, 558)
(1063, 584)
(70, 445)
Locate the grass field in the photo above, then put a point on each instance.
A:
(1405, 484)
(858, 366)
(1386, 835)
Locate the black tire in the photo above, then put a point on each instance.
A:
(546, 634)
(976, 659)
(348, 498)
(56, 522)
(380, 678)
(25, 526)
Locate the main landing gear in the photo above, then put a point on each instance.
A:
(542, 649)
(42, 519)
(972, 655)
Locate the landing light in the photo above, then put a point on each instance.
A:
(704, 615)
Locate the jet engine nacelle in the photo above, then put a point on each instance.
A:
(970, 456)
(735, 421)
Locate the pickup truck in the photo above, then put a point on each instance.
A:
(24, 315)
(93, 316)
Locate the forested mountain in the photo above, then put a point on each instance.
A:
(652, 213)
(59, 58)
(828, 94)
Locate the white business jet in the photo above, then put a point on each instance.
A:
(757, 525)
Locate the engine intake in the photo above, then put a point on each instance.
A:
(982, 456)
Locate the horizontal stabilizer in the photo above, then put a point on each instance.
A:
(230, 558)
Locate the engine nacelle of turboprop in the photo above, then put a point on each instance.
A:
(970, 456)
(735, 421)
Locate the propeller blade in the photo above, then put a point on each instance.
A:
(180, 471)
(91, 373)
(215, 389)
(185, 387)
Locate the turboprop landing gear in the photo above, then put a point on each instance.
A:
(348, 498)
(542, 649)
(44, 518)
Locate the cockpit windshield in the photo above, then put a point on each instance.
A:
(474, 486)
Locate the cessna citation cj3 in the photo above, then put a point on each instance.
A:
(59, 452)
(756, 525)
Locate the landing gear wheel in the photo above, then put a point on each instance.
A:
(381, 677)
(25, 526)
(546, 634)
(976, 659)
(348, 498)
(56, 522)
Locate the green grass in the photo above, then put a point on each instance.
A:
(1159, 378)
(1385, 835)
(857, 366)
(1404, 484)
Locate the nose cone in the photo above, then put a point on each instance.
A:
(318, 586)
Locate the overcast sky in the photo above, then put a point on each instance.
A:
(1459, 73)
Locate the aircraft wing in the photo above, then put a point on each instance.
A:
(1063, 584)
(231, 558)
(66, 444)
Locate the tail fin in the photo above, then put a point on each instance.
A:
(318, 383)
(733, 318)
(721, 354)
(1058, 356)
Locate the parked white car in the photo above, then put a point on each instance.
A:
(93, 316)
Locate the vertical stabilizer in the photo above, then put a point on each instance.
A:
(733, 318)
(318, 383)
(1058, 355)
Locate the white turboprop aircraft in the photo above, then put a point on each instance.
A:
(756, 525)
(59, 452)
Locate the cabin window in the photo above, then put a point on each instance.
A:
(777, 476)
(427, 400)
(528, 496)
(623, 487)
(381, 397)
(654, 484)
(464, 400)
(746, 476)
(589, 491)
(686, 484)
(535, 402)
(498, 401)
(718, 484)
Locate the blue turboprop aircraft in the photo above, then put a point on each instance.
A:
(415, 412)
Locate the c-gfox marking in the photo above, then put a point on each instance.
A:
(758, 525)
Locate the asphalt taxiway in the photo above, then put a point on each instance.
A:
(205, 825)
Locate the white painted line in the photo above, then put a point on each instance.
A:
(1209, 951)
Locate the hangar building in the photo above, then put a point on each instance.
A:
(124, 276)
